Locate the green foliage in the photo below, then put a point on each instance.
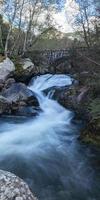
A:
(1, 50)
(94, 108)
(90, 139)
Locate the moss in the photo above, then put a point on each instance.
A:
(91, 139)
(18, 65)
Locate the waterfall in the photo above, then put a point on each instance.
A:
(54, 118)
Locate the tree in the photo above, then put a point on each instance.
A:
(27, 20)
(1, 39)
(87, 21)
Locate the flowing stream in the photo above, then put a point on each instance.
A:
(45, 152)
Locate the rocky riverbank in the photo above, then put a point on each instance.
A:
(84, 96)
(15, 97)
(13, 188)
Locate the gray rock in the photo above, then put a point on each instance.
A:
(19, 92)
(6, 68)
(7, 64)
(26, 111)
(27, 64)
(18, 100)
(5, 106)
(27, 70)
(9, 82)
(13, 188)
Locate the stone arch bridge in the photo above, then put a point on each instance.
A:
(52, 56)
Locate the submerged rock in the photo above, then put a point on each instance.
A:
(13, 188)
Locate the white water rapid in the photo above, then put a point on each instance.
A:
(44, 150)
(31, 136)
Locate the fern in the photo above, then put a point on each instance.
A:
(94, 108)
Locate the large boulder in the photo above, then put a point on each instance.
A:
(19, 92)
(25, 69)
(19, 99)
(7, 64)
(73, 98)
(6, 69)
(13, 188)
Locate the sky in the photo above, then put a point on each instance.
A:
(66, 16)
(63, 18)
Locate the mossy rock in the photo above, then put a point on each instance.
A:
(18, 66)
(91, 134)
(90, 139)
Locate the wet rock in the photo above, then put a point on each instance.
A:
(13, 188)
(9, 82)
(5, 106)
(18, 100)
(22, 110)
(73, 98)
(1, 86)
(19, 92)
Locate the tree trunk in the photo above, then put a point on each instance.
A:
(1, 42)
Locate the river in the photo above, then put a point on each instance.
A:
(45, 152)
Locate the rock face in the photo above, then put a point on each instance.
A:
(6, 68)
(25, 69)
(18, 92)
(18, 100)
(13, 188)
